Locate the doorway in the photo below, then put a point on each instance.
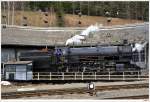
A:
(11, 76)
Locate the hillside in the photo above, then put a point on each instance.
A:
(38, 18)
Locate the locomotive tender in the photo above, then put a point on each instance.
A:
(100, 58)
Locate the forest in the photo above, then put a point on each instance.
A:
(129, 9)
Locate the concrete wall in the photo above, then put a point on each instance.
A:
(136, 34)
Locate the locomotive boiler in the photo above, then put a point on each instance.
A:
(101, 58)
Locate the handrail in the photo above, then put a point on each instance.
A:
(92, 72)
(85, 76)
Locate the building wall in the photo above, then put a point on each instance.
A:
(10, 54)
(20, 72)
(7, 54)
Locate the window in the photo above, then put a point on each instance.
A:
(10, 68)
(20, 68)
(29, 68)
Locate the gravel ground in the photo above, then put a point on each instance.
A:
(67, 96)
(122, 93)
(100, 95)
(14, 87)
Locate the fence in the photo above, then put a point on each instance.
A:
(127, 75)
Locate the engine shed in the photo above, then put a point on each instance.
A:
(18, 70)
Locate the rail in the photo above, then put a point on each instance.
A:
(127, 75)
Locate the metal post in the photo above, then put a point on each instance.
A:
(75, 76)
(62, 75)
(95, 75)
(50, 78)
(38, 75)
(82, 75)
(109, 75)
(123, 76)
(138, 76)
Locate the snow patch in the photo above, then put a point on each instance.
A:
(5, 83)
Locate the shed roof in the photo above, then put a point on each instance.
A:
(18, 62)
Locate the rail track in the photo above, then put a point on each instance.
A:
(83, 90)
(133, 97)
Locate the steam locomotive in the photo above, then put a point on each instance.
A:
(100, 58)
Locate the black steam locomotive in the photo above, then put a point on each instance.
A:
(100, 58)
